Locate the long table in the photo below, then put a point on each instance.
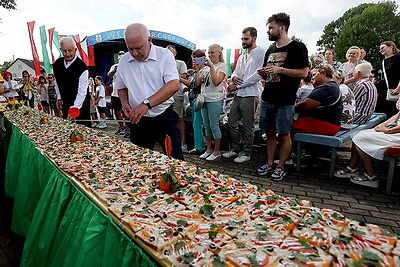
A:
(62, 226)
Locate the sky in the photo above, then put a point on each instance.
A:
(202, 22)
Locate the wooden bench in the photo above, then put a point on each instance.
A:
(334, 141)
(393, 153)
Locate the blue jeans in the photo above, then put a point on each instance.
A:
(278, 118)
(197, 122)
(210, 113)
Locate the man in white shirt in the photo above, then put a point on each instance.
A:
(245, 80)
(72, 76)
(146, 80)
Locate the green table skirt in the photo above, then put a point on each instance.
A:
(62, 226)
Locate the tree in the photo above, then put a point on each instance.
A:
(8, 4)
(5, 65)
(366, 25)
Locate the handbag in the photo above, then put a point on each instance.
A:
(389, 96)
(199, 101)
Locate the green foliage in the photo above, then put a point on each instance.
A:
(8, 4)
(366, 25)
(6, 64)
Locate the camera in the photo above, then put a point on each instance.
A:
(199, 60)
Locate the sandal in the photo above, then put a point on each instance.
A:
(347, 172)
(371, 180)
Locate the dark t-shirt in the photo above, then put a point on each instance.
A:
(392, 67)
(281, 89)
(51, 91)
(327, 94)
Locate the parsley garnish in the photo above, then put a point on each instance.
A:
(239, 202)
(337, 216)
(257, 205)
(151, 199)
(169, 200)
(357, 232)
(285, 220)
(273, 197)
(344, 239)
(126, 207)
(300, 256)
(135, 190)
(214, 226)
(179, 245)
(182, 223)
(167, 232)
(206, 210)
(261, 235)
(212, 234)
(193, 191)
(206, 198)
(218, 261)
(305, 243)
(319, 235)
(273, 213)
(239, 245)
(253, 261)
(187, 257)
(144, 211)
(294, 202)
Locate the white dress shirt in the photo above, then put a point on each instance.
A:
(246, 69)
(144, 79)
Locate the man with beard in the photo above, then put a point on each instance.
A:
(285, 64)
(245, 80)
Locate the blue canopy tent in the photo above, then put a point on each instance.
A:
(106, 46)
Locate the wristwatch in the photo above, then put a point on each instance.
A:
(147, 103)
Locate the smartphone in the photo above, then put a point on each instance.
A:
(199, 60)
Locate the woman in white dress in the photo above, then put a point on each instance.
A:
(369, 145)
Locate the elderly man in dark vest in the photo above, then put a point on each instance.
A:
(72, 82)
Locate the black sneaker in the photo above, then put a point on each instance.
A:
(120, 131)
(278, 174)
(127, 134)
(265, 169)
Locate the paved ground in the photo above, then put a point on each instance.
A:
(311, 183)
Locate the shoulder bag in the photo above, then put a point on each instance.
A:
(199, 101)
(389, 96)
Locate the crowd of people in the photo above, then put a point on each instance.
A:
(281, 88)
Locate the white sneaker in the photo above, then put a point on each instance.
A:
(241, 158)
(213, 157)
(288, 162)
(205, 155)
(102, 125)
(230, 154)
